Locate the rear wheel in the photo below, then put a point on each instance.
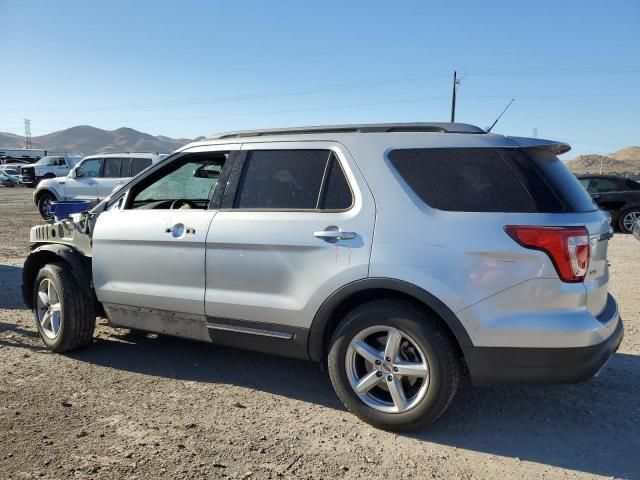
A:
(394, 365)
(63, 310)
(45, 200)
(628, 219)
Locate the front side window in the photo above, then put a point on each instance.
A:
(89, 168)
(52, 161)
(188, 182)
(292, 180)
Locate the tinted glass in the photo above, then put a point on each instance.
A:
(111, 167)
(138, 165)
(564, 183)
(89, 168)
(281, 179)
(125, 167)
(462, 179)
(337, 195)
(632, 185)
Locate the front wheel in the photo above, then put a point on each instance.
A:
(45, 201)
(628, 219)
(394, 365)
(64, 312)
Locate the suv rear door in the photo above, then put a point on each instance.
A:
(275, 250)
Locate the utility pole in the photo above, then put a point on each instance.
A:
(535, 132)
(453, 96)
(27, 133)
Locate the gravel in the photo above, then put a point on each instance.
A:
(156, 407)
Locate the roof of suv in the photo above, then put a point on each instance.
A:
(440, 127)
(124, 154)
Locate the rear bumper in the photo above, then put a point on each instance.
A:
(498, 365)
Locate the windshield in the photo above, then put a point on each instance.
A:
(49, 160)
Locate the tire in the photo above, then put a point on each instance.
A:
(44, 205)
(627, 218)
(76, 318)
(422, 337)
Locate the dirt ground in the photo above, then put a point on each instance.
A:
(158, 407)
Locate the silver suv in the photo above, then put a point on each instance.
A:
(399, 255)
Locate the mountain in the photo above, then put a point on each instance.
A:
(87, 140)
(625, 160)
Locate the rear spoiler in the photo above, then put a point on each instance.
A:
(540, 144)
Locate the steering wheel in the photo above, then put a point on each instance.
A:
(179, 203)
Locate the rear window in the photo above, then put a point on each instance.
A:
(485, 180)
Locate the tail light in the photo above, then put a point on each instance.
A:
(567, 247)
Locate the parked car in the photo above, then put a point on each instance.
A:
(12, 171)
(94, 178)
(399, 255)
(618, 195)
(7, 180)
(47, 167)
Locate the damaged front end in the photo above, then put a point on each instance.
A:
(76, 232)
(67, 241)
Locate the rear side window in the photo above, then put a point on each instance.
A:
(481, 180)
(292, 180)
(462, 179)
(138, 165)
(337, 194)
(111, 167)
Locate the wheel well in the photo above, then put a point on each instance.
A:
(363, 296)
(78, 264)
(42, 192)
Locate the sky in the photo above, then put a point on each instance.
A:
(191, 68)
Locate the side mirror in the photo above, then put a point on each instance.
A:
(73, 172)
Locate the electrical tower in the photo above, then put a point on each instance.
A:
(27, 133)
(535, 132)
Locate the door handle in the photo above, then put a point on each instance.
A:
(178, 230)
(333, 234)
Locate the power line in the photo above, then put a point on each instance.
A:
(349, 86)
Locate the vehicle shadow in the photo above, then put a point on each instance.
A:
(170, 357)
(590, 427)
(10, 287)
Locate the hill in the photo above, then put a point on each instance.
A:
(87, 140)
(625, 160)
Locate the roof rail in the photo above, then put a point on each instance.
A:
(439, 127)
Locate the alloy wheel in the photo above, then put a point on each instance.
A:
(49, 308)
(630, 219)
(387, 369)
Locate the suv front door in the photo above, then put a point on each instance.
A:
(275, 250)
(82, 186)
(149, 253)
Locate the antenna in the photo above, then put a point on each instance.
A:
(27, 133)
(500, 116)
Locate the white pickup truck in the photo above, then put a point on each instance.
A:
(93, 179)
(50, 166)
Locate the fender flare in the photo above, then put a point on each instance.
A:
(79, 264)
(323, 316)
(39, 192)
